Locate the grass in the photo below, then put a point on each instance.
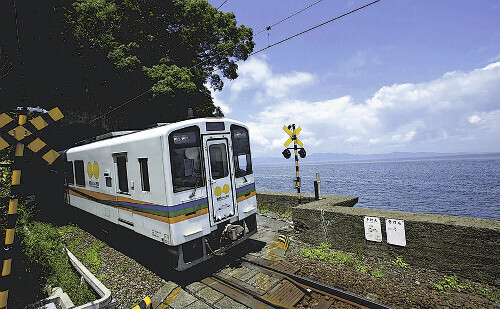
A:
(400, 263)
(272, 207)
(323, 252)
(42, 244)
(452, 283)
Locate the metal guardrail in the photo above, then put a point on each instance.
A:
(106, 300)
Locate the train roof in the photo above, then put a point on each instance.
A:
(120, 137)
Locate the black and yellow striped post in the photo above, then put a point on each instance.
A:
(295, 150)
(12, 213)
(22, 134)
(144, 304)
(286, 153)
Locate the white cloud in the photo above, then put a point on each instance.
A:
(256, 75)
(455, 112)
(474, 119)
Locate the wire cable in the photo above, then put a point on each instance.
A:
(221, 4)
(290, 16)
(317, 26)
(251, 54)
(121, 105)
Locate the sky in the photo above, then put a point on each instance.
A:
(415, 76)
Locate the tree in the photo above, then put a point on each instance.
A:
(182, 46)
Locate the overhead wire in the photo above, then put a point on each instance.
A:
(288, 17)
(253, 53)
(261, 31)
(317, 26)
(121, 105)
(222, 4)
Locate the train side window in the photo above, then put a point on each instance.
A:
(70, 175)
(185, 159)
(121, 166)
(79, 173)
(241, 151)
(143, 164)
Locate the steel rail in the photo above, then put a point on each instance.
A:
(322, 288)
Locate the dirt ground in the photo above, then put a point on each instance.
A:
(394, 285)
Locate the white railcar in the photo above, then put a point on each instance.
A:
(189, 185)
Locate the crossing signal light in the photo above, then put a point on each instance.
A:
(302, 153)
(287, 154)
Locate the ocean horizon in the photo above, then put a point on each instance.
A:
(465, 185)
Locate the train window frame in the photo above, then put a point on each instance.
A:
(121, 172)
(144, 170)
(241, 152)
(79, 173)
(69, 173)
(187, 167)
(219, 161)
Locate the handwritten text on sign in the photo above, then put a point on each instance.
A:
(395, 230)
(373, 230)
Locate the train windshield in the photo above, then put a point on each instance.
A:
(185, 159)
(241, 151)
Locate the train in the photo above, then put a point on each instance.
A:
(188, 185)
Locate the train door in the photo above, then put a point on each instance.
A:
(220, 184)
(122, 188)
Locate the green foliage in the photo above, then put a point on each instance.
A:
(5, 180)
(170, 78)
(95, 22)
(437, 287)
(272, 207)
(400, 263)
(181, 45)
(452, 283)
(489, 295)
(42, 244)
(378, 272)
(323, 252)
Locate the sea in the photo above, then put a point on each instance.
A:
(466, 186)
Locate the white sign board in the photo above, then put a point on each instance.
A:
(373, 230)
(395, 230)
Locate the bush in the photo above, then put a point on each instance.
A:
(42, 244)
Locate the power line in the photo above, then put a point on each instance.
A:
(121, 105)
(221, 4)
(322, 24)
(290, 16)
(209, 58)
(272, 45)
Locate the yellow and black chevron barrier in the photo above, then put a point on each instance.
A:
(21, 134)
(283, 241)
(144, 304)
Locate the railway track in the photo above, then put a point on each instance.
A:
(261, 283)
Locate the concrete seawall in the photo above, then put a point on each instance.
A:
(469, 247)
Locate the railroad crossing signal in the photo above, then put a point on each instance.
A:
(26, 134)
(291, 138)
(287, 154)
(21, 134)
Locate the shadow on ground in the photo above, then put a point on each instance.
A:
(150, 253)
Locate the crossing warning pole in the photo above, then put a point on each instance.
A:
(293, 132)
(297, 181)
(12, 215)
(25, 133)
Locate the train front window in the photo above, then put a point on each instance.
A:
(241, 151)
(185, 159)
